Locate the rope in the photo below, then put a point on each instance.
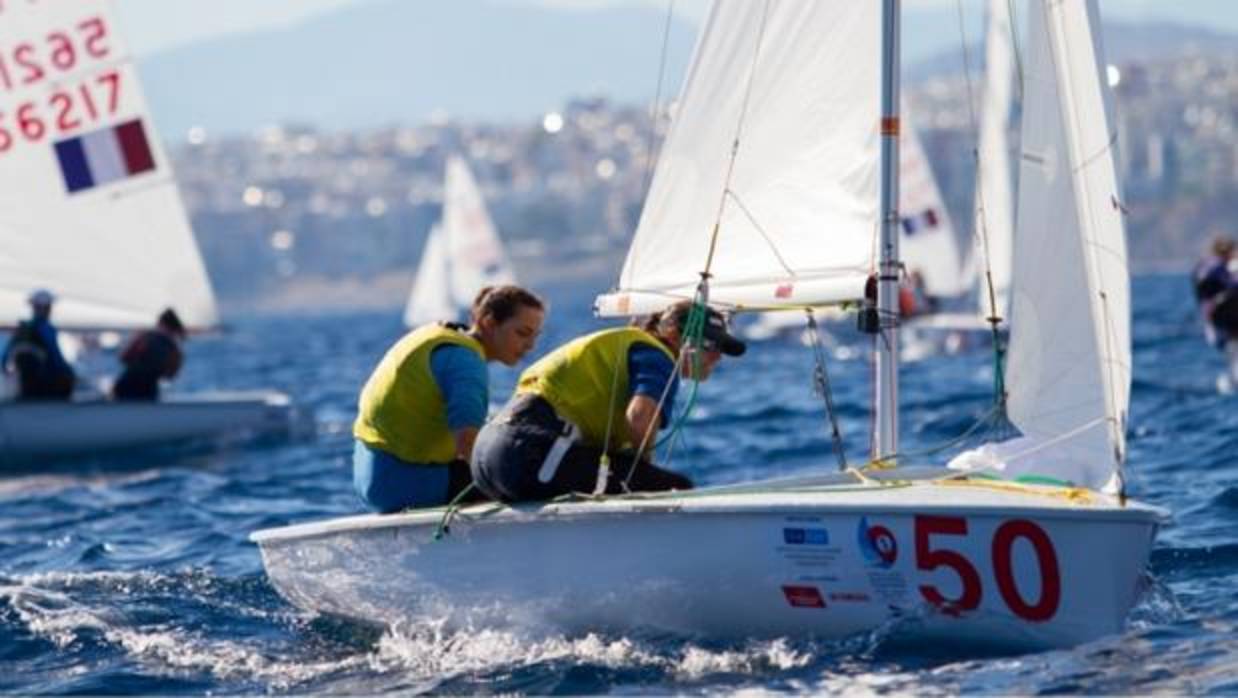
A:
(449, 512)
(690, 338)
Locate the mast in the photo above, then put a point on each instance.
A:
(885, 442)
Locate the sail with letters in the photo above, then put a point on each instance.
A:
(88, 202)
(89, 209)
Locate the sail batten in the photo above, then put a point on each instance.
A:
(89, 207)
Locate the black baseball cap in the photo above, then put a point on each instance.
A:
(716, 333)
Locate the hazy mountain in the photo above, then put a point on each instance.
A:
(398, 61)
(1124, 43)
(385, 62)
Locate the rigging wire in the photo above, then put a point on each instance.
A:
(821, 380)
(981, 220)
(655, 110)
(739, 128)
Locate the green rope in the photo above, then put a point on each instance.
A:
(693, 336)
(449, 512)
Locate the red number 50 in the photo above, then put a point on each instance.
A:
(1003, 570)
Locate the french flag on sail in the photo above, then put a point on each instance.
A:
(104, 156)
(920, 221)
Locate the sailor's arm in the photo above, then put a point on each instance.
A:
(643, 418)
(464, 441)
(461, 376)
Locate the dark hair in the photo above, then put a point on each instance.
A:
(502, 302)
(670, 317)
(169, 319)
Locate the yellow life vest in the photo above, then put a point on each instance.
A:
(577, 379)
(401, 410)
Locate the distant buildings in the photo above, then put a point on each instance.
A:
(293, 202)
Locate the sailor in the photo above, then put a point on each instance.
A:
(151, 355)
(605, 393)
(1214, 283)
(33, 352)
(421, 409)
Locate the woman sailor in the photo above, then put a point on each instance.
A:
(421, 409)
(604, 394)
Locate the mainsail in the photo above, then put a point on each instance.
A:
(791, 89)
(463, 253)
(88, 203)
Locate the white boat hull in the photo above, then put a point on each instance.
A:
(30, 430)
(1030, 570)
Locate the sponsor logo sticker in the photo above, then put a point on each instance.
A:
(805, 536)
(802, 596)
(877, 544)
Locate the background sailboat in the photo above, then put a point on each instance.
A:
(1005, 563)
(463, 253)
(89, 209)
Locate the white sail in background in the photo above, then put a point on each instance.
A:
(431, 300)
(800, 82)
(463, 254)
(927, 244)
(89, 207)
(1069, 369)
(994, 215)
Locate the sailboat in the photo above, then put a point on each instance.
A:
(89, 209)
(463, 253)
(932, 553)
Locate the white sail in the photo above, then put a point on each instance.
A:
(794, 87)
(88, 204)
(431, 300)
(994, 216)
(463, 253)
(927, 245)
(1069, 370)
(476, 256)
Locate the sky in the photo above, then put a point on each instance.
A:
(155, 25)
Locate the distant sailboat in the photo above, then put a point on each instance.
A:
(89, 209)
(463, 253)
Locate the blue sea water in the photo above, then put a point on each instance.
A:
(133, 573)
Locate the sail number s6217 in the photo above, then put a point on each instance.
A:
(931, 555)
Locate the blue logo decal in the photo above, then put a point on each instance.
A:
(805, 536)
